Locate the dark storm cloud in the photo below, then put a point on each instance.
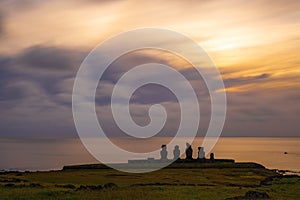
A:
(191, 73)
(127, 62)
(32, 92)
(33, 112)
(36, 93)
(149, 94)
(7, 77)
(259, 106)
(258, 112)
(54, 69)
(264, 112)
(230, 82)
(9, 92)
(47, 67)
(50, 59)
(153, 94)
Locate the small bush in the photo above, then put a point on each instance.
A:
(9, 185)
(68, 186)
(110, 185)
(90, 187)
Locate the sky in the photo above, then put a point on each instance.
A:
(255, 45)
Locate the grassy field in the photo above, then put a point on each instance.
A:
(211, 181)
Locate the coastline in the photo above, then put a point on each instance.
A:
(52, 154)
(178, 181)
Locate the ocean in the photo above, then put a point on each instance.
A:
(39, 154)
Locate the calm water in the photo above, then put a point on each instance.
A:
(50, 153)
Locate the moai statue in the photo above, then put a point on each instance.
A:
(212, 156)
(163, 152)
(189, 152)
(176, 152)
(201, 153)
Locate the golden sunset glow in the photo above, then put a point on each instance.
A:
(239, 37)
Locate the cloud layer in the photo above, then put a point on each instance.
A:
(44, 43)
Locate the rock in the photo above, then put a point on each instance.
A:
(251, 195)
(9, 185)
(68, 186)
(35, 185)
(267, 181)
(110, 185)
(82, 187)
(256, 195)
(90, 187)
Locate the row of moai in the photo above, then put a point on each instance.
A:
(188, 153)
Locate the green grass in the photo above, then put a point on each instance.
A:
(196, 182)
